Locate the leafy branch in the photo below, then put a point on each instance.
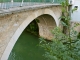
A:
(65, 44)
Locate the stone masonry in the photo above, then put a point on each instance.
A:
(14, 20)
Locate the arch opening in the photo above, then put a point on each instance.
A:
(47, 22)
(26, 45)
(33, 27)
(42, 26)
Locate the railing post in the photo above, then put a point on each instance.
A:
(5, 5)
(22, 2)
(52, 1)
(30, 2)
(2, 5)
(12, 3)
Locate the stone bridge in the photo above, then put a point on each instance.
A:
(13, 21)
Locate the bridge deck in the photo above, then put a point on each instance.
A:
(11, 26)
(25, 8)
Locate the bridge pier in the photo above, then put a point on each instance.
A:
(46, 25)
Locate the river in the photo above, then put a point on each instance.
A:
(27, 48)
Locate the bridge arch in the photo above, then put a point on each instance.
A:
(41, 15)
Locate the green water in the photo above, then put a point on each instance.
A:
(27, 48)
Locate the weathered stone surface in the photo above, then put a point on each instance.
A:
(77, 28)
(14, 21)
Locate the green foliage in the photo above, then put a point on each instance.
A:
(63, 46)
(74, 10)
(33, 27)
(59, 48)
(65, 17)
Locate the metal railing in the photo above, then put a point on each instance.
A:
(5, 4)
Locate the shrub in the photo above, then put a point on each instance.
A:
(65, 44)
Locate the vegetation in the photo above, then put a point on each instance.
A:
(65, 44)
(33, 27)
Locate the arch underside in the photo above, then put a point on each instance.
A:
(48, 21)
(46, 24)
